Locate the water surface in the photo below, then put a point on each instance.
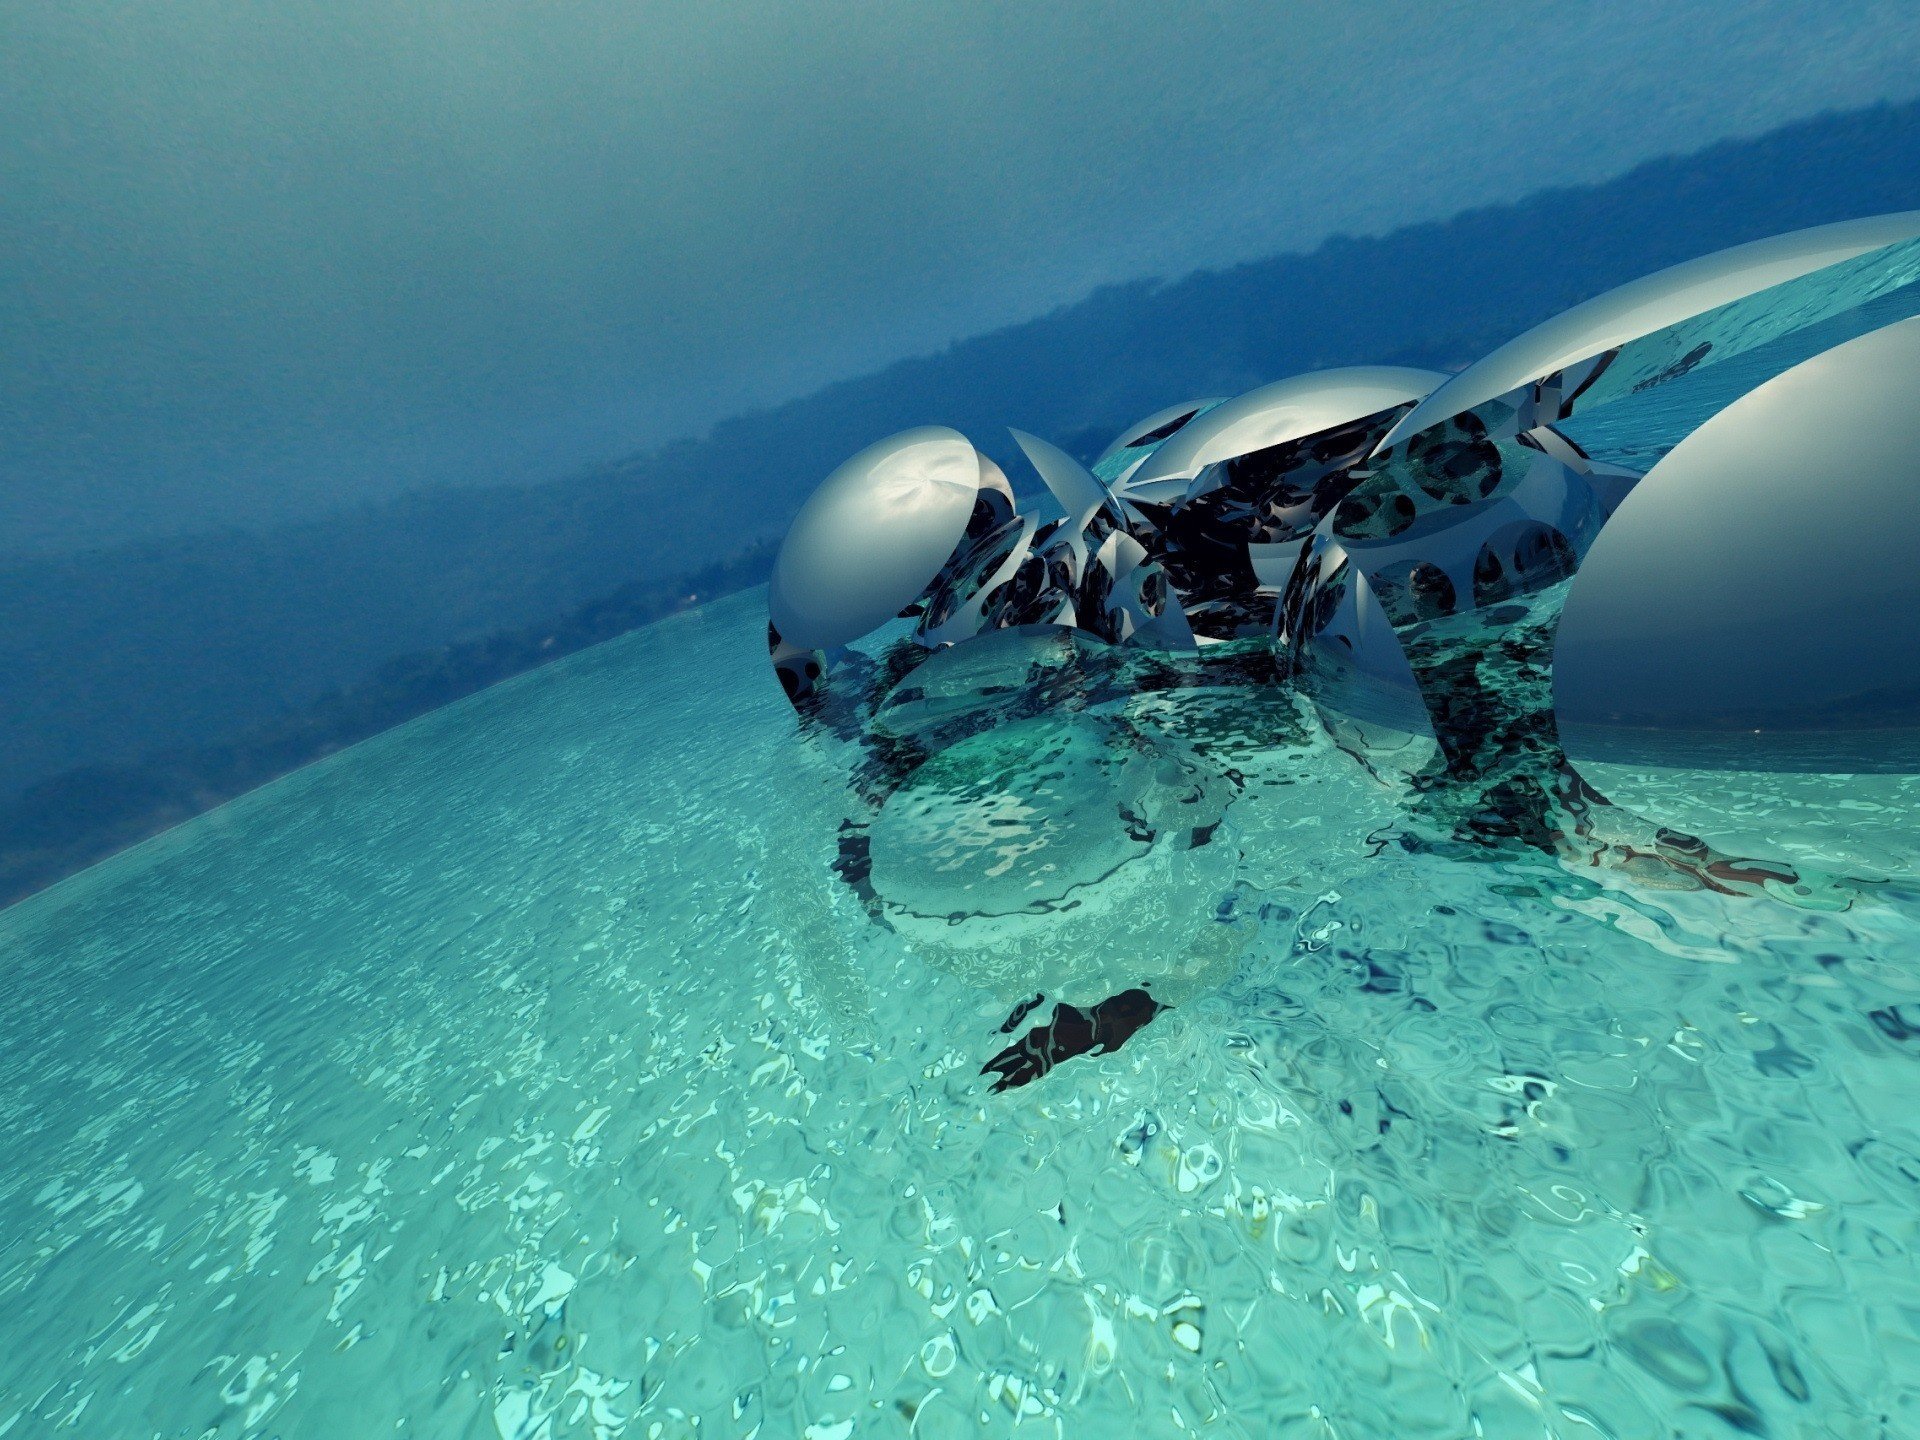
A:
(528, 1072)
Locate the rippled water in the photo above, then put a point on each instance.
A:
(529, 1072)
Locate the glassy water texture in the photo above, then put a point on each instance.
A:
(527, 1073)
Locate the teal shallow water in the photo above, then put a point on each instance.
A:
(526, 1073)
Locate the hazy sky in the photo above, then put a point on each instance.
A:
(269, 256)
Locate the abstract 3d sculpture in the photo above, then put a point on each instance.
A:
(1396, 547)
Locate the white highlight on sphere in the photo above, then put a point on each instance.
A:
(869, 539)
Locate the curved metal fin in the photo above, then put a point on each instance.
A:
(1072, 484)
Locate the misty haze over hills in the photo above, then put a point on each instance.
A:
(199, 641)
(262, 262)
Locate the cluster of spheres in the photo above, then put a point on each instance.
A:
(1475, 598)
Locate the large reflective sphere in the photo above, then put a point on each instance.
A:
(1751, 605)
(869, 539)
(1663, 300)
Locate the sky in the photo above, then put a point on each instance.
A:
(265, 258)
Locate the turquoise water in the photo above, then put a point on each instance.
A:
(526, 1072)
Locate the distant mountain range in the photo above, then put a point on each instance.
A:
(121, 657)
(62, 824)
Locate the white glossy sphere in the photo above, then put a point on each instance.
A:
(869, 539)
(1753, 601)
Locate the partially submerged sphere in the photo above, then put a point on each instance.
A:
(1752, 606)
(1473, 501)
(1489, 434)
(923, 526)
